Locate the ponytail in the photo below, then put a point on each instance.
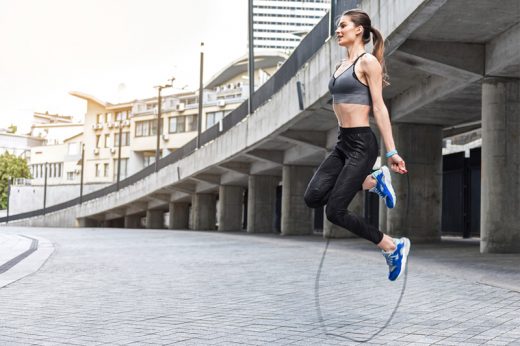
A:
(379, 51)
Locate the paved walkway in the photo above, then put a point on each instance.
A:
(21, 256)
(159, 287)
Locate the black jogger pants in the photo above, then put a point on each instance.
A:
(340, 176)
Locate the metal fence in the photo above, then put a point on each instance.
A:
(305, 50)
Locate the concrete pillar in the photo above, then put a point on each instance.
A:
(331, 230)
(230, 201)
(417, 214)
(133, 221)
(296, 216)
(87, 222)
(203, 211)
(261, 203)
(500, 189)
(179, 215)
(155, 219)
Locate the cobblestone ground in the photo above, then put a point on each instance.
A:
(120, 287)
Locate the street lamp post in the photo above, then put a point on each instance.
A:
(251, 64)
(82, 173)
(119, 152)
(201, 90)
(157, 152)
(8, 197)
(45, 190)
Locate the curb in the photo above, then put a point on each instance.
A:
(25, 262)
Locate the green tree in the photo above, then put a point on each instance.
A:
(12, 129)
(14, 167)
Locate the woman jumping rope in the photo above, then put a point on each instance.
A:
(356, 89)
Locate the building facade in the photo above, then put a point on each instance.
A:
(58, 164)
(19, 145)
(279, 25)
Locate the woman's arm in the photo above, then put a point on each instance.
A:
(374, 76)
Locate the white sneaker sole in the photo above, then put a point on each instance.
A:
(407, 245)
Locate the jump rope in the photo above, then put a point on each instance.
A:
(317, 289)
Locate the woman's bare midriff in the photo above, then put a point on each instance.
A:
(351, 115)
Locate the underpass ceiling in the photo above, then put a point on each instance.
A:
(469, 21)
(274, 144)
(457, 108)
(214, 170)
(465, 21)
(402, 76)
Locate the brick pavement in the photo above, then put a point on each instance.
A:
(159, 287)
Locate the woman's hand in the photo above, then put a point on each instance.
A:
(396, 164)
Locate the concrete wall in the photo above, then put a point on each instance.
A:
(27, 198)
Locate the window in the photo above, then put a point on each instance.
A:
(191, 123)
(153, 128)
(146, 128)
(139, 129)
(124, 168)
(177, 125)
(192, 101)
(125, 139)
(107, 140)
(213, 117)
(98, 169)
(105, 169)
(148, 160)
(54, 169)
(98, 141)
(182, 124)
(142, 128)
(108, 117)
(99, 118)
(121, 116)
(70, 175)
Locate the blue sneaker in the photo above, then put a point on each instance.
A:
(384, 186)
(397, 260)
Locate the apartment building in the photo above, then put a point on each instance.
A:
(135, 122)
(54, 128)
(60, 163)
(46, 128)
(279, 25)
(19, 145)
(59, 149)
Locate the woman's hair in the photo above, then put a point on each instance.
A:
(360, 17)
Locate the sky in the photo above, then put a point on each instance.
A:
(114, 50)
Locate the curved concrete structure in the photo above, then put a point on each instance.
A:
(22, 255)
(438, 53)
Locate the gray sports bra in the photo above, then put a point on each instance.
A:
(347, 88)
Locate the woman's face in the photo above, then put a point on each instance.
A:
(346, 32)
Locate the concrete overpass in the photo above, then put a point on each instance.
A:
(453, 65)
